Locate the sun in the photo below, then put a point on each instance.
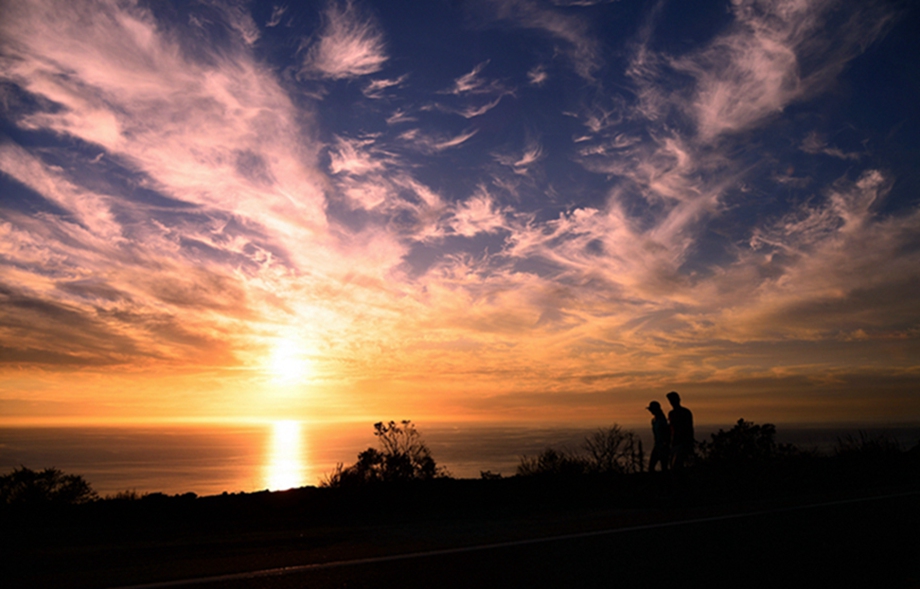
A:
(288, 362)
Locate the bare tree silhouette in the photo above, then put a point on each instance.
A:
(610, 450)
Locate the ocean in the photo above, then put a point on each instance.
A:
(209, 460)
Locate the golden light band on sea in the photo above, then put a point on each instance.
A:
(285, 456)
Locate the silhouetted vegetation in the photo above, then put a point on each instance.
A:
(613, 450)
(126, 495)
(865, 445)
(402, 456)
(553, 462)
(609, 450)
(744, 444)
(25, 486)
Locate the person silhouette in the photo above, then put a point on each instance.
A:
(681, 420)
(661, 432)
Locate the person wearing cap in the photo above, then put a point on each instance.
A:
(681, 420)
(662, 434)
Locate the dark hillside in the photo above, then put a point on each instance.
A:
(156, 537)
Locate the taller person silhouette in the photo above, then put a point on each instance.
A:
(681, 420)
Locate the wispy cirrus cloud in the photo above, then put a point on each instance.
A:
(216, 139)
(181, 200)
(275, 18)
(818, 278)
(377, 88)
(239, 19)
(471, 112)
(472, 82)
(741, 78)
(204, 144)
(349, 45)
(400, 116)
(473, 85)
(579, 43)
(773, 54)
(537, 75)
(815, 144)
(478, 214)
(532, 153)
(355, 157)
(418, 140)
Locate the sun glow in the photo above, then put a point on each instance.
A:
(285, 461)
(287, 362)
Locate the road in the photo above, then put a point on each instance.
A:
(869, 542)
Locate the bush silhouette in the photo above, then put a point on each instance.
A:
(614, 450)
(745, 443)
(402, 456)
(609, 450)
(864, 444)
(48, 486)
(552, 462)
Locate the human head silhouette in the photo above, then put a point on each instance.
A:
(654, 407)
(673, 399)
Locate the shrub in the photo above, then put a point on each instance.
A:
(552, 462)
(606, 451)
(745, 443)
(49, 486)
(126, 495)
(402, 456)
(613, 450)
(867, 445)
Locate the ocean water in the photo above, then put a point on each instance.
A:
(209, 460)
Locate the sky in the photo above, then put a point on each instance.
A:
(543, 211)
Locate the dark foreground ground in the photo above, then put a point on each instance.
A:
(842, 525)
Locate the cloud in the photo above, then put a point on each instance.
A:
(830, 269)
(239, 19)
(375, 88)
(815, 144)
(470, 85)
(91, 211)
(351, 156)
(425, 143)
(478, 214)
(190, 208)
(455, 141)
(537, 75)
(400, 116)
(275, 19)
(239, 208)
(521, 164)
(349, 45)
(774, 54)
(472, 82)
(580, 46)
(477, 111)
(128, 89)
(469, 111)
(683, 174)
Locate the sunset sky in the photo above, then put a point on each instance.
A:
(490, 210)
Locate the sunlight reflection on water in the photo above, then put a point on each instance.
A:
(285, 457)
